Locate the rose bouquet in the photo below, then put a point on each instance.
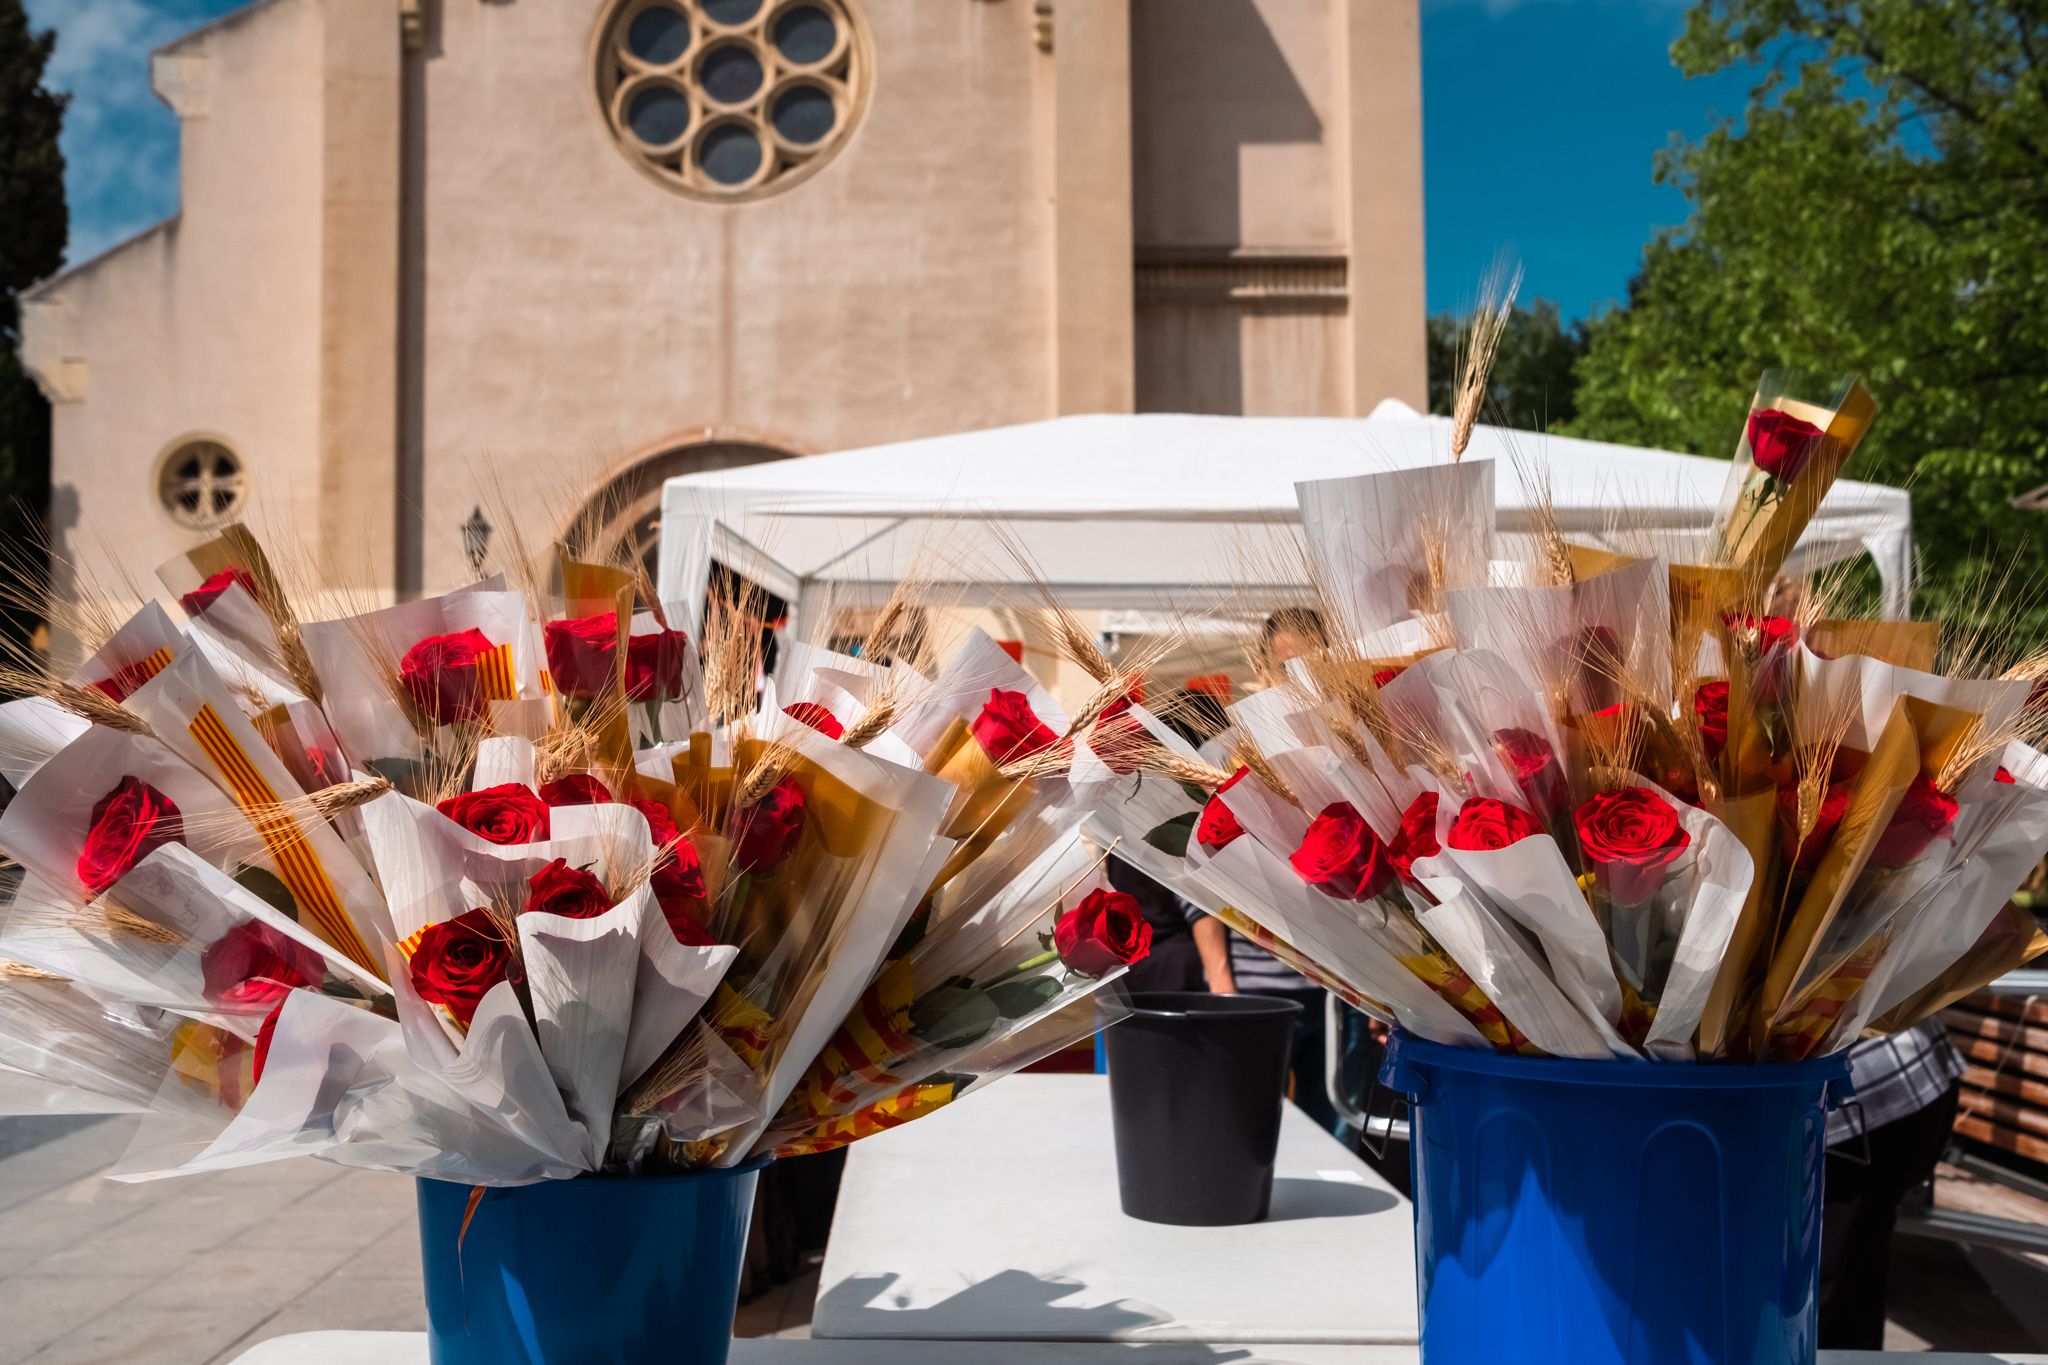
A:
(520, 883)
(1599, 804)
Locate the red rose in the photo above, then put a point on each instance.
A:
(128, 824)
(1762, 633)
(1834, 804)
(1103, 932)
(1340, 855)
(2004, 774)
(458, 961)
(583, 653)
(1417, 835)
(1925, 813)
(200, 598)
(1381, 677)
(1710, 712)
(661, 822)
(1535, 766)
(817, 717)
(1007, 729)
(654, 665)
(254, 964)
(263, 1037)
(1627, 835)
(768, 829)
(439, 674)
(684, 926)
(508, 813)
(1218, 826)
(1780, 443)
(1115, 737)
(571, 892)
(1484, 824)
(576, 789)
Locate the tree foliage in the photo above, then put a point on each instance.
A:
(1532, 380)
(1880, 208)
(34, 223)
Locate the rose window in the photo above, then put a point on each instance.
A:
(726, 98)
(202, 485)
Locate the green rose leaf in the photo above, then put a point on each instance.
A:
(1171, 838)
(266, 887)
(1015, 999)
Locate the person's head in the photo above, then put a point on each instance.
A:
(1195, 715)
(1294, 631)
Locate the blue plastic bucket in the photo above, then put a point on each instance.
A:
(1595, 1213)
(596, 1271)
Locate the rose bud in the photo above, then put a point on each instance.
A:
(255, 964)
(508, 813)
(1629, 836)
(458, 961)
(1780, 443)
(1007, 729)
(654, 665)
(817, 717)
(571, 892)
(1484, 824)
(1105, 931)
(128, 824)
(576, 789)
(1341, 856)
(768, 829)
(1417, 836)
(1834, 804)
(1710, 712)
(1925, 813)
(439, 674)
(582, 653)
(206, 594)
(1218, 827)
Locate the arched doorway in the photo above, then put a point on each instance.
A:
(622, 518)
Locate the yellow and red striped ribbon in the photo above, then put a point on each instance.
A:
(874, 1038)
(126, 681)
(496, 675)
(745, 1027)
(298, 867)
(911, 1102)
(1795, 1039)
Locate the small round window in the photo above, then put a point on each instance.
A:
(726, 98)
(201, 483)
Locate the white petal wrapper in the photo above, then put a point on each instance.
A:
(1369, 535)
(32, 731)
(1529, 882)
(979, 667)
(502, 759)
(1707, 909)
(149, 630)
(1494, 955)
(1865, 690)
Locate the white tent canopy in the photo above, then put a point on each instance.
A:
(1171, 511)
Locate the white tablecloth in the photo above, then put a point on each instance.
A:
(997, 1218)
(408, 1348)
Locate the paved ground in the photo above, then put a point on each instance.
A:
(186, 1272)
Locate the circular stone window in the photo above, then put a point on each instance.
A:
(201, 483)
(725, 99)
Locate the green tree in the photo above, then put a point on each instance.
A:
(1532, 380)
(1880, 208)
(34, 222)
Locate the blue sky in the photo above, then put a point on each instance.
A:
(1540, 120)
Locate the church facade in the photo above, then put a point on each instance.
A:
(559, 250)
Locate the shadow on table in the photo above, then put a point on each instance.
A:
(1013, 1304)
(1295, 1198)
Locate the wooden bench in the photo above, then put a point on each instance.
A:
(2004, 1041)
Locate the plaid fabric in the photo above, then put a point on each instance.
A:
(1896, 1076)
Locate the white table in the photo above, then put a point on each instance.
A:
(410, 1348)
(997, 1219)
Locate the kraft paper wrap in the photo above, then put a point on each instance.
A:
(1752, 819)
(1903, 644)
(1874, 795)
(2014, 939)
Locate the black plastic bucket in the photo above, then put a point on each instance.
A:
(1196, 1082)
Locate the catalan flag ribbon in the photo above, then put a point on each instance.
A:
(1796, 1038)
(1462, 993)
(911, 1102)
(298, 866)
(857, 1061)
(496, 675)
(744, 1027)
